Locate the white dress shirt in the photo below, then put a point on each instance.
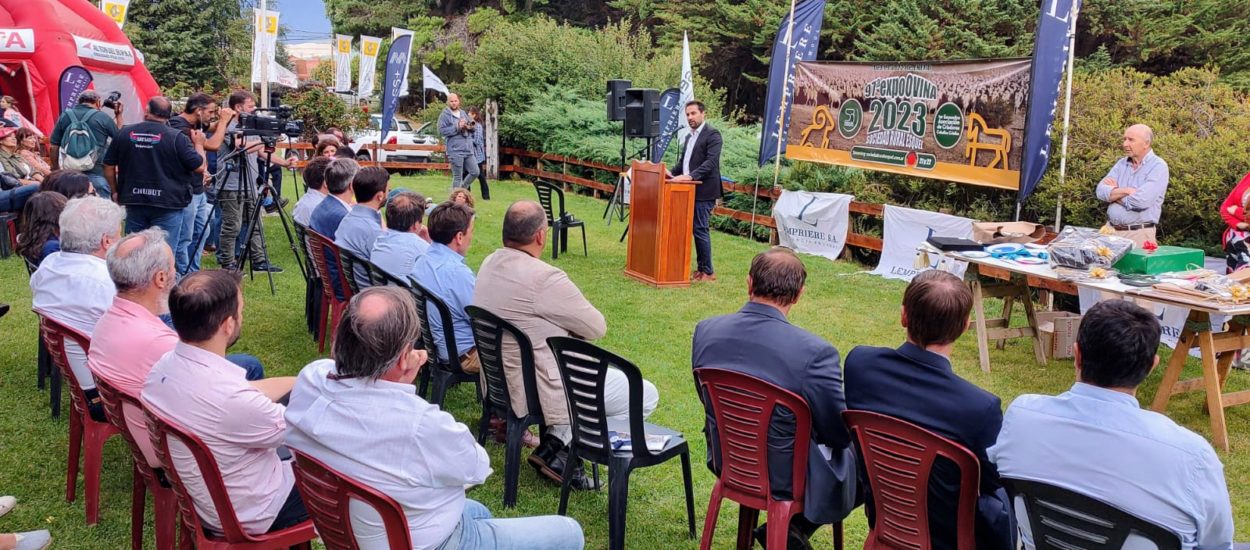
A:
(1102, 444)
(75, 290)
(688, 148)
(304, 208)
(383, 435)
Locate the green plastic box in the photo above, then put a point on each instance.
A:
(1163, 260)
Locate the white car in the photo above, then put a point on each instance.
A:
(402, 133)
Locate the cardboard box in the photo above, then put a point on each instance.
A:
(1058, 331)
(1163, 260)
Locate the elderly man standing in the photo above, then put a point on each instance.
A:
(359, 415)
(515, 284)
(1134, 188)
(457, 128)
(73, 287)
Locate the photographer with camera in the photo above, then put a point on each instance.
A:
(199, 113)
(82, 134)
(238, 203)
(457, 128)
(150, 166)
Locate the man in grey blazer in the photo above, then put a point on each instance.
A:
(759, 341)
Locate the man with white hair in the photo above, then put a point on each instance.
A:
(1134, 188)
(131, 337)
(73, 287)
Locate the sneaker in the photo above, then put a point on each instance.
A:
(33, 540)
(266, 267)
(7, 503)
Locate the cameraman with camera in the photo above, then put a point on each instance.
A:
(82, 134)
(457, 127)
(236, 202)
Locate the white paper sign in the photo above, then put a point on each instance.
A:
(813, 223)
(905, 229)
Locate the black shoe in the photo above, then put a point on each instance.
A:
(794, 539)
(545, 453)
(577, 478)
(266, 267)
(4, 309)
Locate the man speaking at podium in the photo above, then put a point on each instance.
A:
(700, 162)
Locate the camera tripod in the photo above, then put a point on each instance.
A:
(255, 195)
(617, 201)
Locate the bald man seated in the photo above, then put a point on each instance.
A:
(1134, 188)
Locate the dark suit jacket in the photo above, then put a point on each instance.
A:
(325, 220)
(759, 341)
(916, 385)
(704, 164)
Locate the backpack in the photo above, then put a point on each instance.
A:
(79, 149)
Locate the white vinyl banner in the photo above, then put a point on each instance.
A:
(397, 32)
(342, 62)
(813, 223)
(116, 10)
(369, 46)
(1171, 318)
(905, 229)
(264, 42)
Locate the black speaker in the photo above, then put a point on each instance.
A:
(642, 112)
(616, 99)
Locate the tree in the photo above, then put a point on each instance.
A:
(187, 41)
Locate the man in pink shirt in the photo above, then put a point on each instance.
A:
(130, 337)
(240, 422)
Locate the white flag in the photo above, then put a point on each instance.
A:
(342, 62)
(431, 81)
(369, 46)
(264, 42)
(116, 10)
(281, 75)
(397, 32)
(687, 88)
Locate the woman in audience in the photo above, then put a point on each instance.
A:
(461, 195)
(28, 148)
(8, 110)
(1237, 234)
(11, 159)
(328, 147)
(41, 226)
(70, 183)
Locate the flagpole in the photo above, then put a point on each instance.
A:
(1067, 117)
(264, 62)
(781, 118)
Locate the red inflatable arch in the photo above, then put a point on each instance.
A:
(40, 38)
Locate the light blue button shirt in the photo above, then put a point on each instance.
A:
(1151, 181)
(1101, 443)
(358, 230)
(443, 272)
(397, 252)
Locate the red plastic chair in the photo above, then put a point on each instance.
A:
(323, 250)
(898, 457)
(145, 478)
(327, 495)
(743, 407)
(83, 430)
(192, 532)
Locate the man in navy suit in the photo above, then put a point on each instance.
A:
(759, 341)
(700, 162)
(915, 383)
(327, 216)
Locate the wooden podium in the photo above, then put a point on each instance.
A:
(661, 215)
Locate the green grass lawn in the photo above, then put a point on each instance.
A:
(651, 327)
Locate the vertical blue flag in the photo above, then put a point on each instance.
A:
(1050, 54)
(670, 122)
(395, 83)
(74, 81)
(807, 19)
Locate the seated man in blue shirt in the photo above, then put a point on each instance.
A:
(330, 213)
(1134, 187)
(363, 223)
(397, 249)
(442, 271)
(916, 383)
(1095, 439)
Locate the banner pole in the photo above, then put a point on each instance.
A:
(755, 197)
(1067, 117)
(264, 62)
(785, 85)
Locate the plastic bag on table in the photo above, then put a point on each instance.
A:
(1083, 247)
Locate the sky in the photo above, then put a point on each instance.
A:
(305, 20)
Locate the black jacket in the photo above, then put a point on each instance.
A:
(704, 164)
(155, 164)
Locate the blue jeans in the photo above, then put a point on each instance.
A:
(14, 199)
(463, 170)
(477, 530)
(193, 233)
(139, 218)
(214, 229)
(703, 235)
(101, 185)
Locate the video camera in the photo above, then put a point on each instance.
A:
(270, 123)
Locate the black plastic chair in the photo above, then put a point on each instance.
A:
(360, 269)
(312, 285)
(489, 332)
(1065, 520)
(558, 219)
(443, 374)
(382, 277)
(583, 370)
(44, 369)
